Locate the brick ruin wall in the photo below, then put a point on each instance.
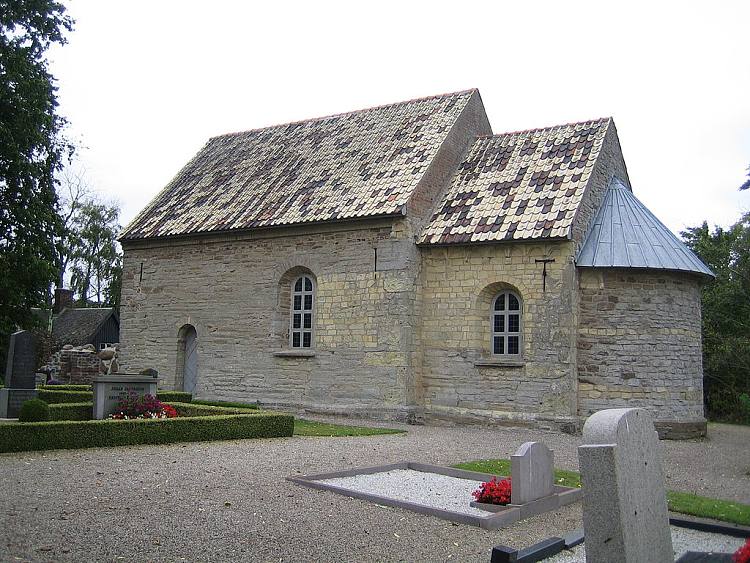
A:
(639, 345)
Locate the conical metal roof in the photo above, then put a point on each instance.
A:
(627, 235)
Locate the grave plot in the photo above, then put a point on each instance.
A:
(446, 492)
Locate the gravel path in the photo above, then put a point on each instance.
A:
(223, 501)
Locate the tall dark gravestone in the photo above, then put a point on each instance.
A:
(20, 382)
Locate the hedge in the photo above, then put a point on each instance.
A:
(196, 409)
(178, 396)
(84, 411)
(56, 397)
(105, 433)
(71, 411)
(65, 387)
(226, 404)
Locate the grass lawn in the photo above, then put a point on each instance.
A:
(684, 503)
(311, 428)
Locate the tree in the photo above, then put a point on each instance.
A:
(73, 193)
(32, 148)
(96, 261)
(726, 315)
(746, 185)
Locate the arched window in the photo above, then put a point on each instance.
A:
(301, 320)
(506, 324)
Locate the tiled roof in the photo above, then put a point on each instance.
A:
(516, 186)
(78, 326)
(627, 235)
(363, 163)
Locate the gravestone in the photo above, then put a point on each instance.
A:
(531, 471)
(109, 390)
(20, 373)
(625, 516)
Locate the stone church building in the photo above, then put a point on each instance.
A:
(405, 262)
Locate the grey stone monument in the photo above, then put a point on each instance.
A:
(531, 471)
(109, 390)
(20, 373)
(625, 516)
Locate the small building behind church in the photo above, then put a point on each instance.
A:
(405, 262)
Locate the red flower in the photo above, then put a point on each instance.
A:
(494, 492)
(742, 555)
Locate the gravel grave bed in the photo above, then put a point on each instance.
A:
(420, 487)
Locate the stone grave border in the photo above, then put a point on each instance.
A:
(493, 521)
(554, 545)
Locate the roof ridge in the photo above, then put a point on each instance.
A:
(534, 129)
(344, 113)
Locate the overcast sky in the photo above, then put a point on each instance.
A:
(144, 84)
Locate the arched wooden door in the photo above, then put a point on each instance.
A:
(190, 367)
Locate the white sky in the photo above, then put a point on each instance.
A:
(146, 83)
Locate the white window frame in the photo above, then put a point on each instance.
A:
(304, 313)
(505, 334)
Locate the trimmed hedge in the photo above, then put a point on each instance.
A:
(71, 411)
(178, 396)
(34, 410)
(56, 397)
(84, 411)
(226, 404)
(193, 409)
(34, 436)
(65, 387)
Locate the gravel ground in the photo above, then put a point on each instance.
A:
(428, 489)
(683, 540)
(219, 501)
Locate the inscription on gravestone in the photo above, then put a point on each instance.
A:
(109, 390)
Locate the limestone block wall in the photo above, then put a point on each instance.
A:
(639, 343)
(457, 288)
(235, 292)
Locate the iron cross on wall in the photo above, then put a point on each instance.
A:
(544, 271)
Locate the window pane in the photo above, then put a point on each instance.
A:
(308, 302)
(297, 302)
(298, 285)
(306, 340)
(512, 345)
(308, 284)
(296, 321)
(513, 323)
(499, 323)
(498, 345)
(500, 303)
(308, 320)
(295, 340)
(512, 302)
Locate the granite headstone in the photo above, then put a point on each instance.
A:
(625, 516)
(20, 373)
(531, 471)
